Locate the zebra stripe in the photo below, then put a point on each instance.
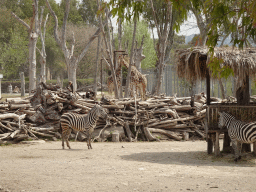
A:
(239, 132)
(80, 122)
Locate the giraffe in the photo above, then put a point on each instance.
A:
(110, 81)
(137, 78)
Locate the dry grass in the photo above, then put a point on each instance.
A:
(191, 63)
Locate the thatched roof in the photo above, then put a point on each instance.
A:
(191, 62)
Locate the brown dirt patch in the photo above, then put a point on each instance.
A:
(141, 166)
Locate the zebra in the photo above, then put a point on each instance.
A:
(239, 132)
(78, 122)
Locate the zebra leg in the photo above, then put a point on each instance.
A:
(235, 147)
(65, 136)
(239, 149)
(89, 142)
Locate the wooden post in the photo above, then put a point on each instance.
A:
(22, 86)
(208, 87)
(0, 88)
(209, 144)
(226, 142)
(217, 144)
(254, 148)
(185, 136)
(115, 137)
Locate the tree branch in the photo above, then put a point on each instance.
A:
(56, 36)
(21, 21)
(91, 39)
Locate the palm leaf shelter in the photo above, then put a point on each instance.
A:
(192, 64)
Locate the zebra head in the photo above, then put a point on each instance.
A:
(102, 112)
(221, 123)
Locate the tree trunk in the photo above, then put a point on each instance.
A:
(243, 98)
(32, 62)
(33, 36)
(243, 93)
(161, 46)
(43, 52)
(128, 79)
(72, 75)
(22, 82)
(222, 89)
(97, 64)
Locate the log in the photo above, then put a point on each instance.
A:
(113, 106)
(81, 106)
(197, 130)
(148, 135)
(41, 134)
(4, 105)
(156, 105)
(43, 129)
(182, 107)
(19, 101)
(6, 127)
(108, 133)
(17, 106)
(12, 99)
(20, 137)
(28, 112)
(4, 136)
(12, 116)
(15, 133)
(165, 132)
(203, 112)
(128, 131)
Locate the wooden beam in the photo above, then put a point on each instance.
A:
(208, 88)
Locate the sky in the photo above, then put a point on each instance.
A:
(189, 27)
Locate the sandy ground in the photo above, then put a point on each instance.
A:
(141, 166)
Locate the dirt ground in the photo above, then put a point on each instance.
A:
(141, 166)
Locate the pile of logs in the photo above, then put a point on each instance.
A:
(157, 118)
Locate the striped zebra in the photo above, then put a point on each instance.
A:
(239, 132)
(78, 122)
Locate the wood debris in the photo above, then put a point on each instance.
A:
(155, 119)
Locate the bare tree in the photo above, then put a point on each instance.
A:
(108, 45)
(43, 52)
(162, 44)
(71, 60)
(128, 79)
(97, 64)
(33, 36)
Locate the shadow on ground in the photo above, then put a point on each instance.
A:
(194, 158)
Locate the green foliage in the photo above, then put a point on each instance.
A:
(127, 9)
(14, 53)
(88, 10)
(218, 70)
(236, 17)
(178, 43)
(74, 15)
